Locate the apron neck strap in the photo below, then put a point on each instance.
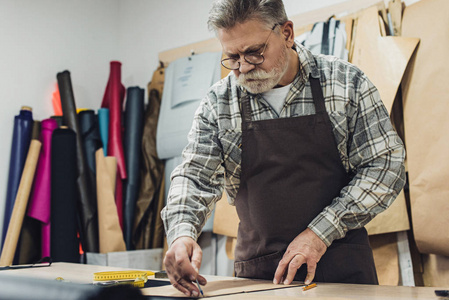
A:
(317, 94)
(246, 109)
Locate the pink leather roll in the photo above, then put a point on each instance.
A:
(39, 206)
(113, 98)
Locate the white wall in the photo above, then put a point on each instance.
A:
(39, 38)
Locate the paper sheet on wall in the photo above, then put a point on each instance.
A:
(394, 219)
(187, 81)
(426, 110)
(384, 60)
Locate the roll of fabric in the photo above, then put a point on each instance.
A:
(103, 124)
(56, 101)
(36, 130)
(113, 99)
(21, 137)
(91, 137)
(87, 198)
(58, 119)
(134, 112)
(29, 246)
(146, 215)
(39, 206)
(20, 204)
(111, 235)
(64, 244)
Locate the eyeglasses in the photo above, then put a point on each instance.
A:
(253, 58)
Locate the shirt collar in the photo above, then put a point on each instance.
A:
(307, 63)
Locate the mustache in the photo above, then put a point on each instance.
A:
(255, 75)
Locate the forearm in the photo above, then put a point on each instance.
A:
(187, 209)
(359, 202)
(376, 160)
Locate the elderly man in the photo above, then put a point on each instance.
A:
(304, 147)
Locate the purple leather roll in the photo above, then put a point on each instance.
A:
(39, 205)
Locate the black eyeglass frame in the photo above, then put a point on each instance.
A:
(255, 54)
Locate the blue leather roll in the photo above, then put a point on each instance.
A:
(23, 125)
(132, 143)
(103, 124)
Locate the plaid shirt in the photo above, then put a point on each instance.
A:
(369, 148)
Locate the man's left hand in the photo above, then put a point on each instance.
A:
(306, 248)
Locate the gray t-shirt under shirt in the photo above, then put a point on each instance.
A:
(276, 97)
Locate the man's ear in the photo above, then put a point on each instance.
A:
(288, 33)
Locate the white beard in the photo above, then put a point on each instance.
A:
(260, 81)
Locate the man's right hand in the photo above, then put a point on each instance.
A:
(182, 262)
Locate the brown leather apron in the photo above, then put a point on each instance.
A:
(291, 170)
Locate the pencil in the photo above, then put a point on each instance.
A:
(308, 287)
(198, 284)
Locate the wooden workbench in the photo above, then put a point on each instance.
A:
(80, 273)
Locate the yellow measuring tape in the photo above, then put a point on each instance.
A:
(135, 278)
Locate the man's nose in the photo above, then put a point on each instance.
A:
(245, 67)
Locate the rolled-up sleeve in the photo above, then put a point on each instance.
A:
(376, 158)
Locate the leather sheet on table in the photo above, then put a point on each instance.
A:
(148, 230)
(21, 137)
(221, 286)
(64, 243)
(87, 206)
(426, 123)
(134, 113)
(40, 200)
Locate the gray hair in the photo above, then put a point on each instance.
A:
(225, 14)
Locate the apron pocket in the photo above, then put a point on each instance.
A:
(348, 263)
(262, 267)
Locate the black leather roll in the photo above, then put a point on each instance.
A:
(64, 243)
(90, 135)
(13, 287)
(87, 199)
(58, 119)
(148, 229)
(134, 112)
(36, 130)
